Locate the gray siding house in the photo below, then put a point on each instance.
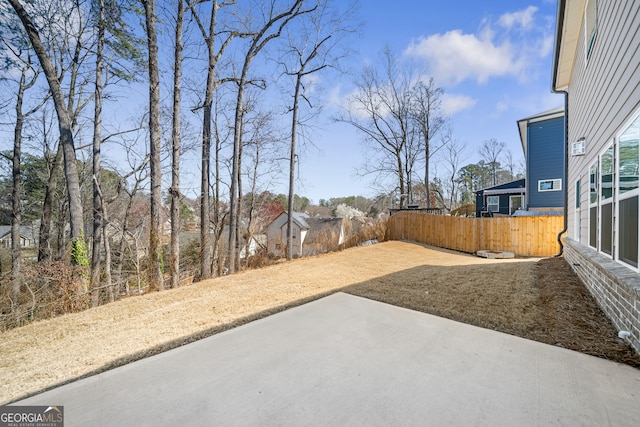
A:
(542, 138)
(597, 65)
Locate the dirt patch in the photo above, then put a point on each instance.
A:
(572, 318)
(516, 296)
(544, 302)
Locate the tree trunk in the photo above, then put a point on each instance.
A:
(426, 164)
(108, 282)
(16, 196)
(235, 169)
(259, 41)
(44, 243)
(155, 231)
(64, 123)
(292, 166)
(205, 206)
(174, 260)
(218, 226)
(98, 224)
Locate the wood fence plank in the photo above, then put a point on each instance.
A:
(527, 236)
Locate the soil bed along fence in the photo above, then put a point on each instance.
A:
(525, 236)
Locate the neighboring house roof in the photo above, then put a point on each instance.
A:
(539, 212)
(545, 115)
(25, 231)
(568, 25)
(321, 228)
(299, 218)
(513, 187)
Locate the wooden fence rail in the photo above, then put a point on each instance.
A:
(527, 235)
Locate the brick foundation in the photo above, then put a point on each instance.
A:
(615, 287)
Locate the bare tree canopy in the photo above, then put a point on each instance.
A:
(398, 114)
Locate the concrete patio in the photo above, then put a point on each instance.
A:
(345, 360)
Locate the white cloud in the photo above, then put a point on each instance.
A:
(510, 46)
(523, 18)
(452, 103)
(455, 56)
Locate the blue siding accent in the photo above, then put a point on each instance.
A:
(481, 199)
(545, 160)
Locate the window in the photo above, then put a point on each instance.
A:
(606, 201)
(576, 218)
(515, 203)
(593, 205)
(591, 27)
(493, 203)
(294, 233)
(550, 185)
(606, 185)
(627, 193)
(593, 184)
(628, 159)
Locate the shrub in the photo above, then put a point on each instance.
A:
(47, 290)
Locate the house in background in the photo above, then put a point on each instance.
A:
(503, 199)
(28, 236)
(542, 138)
(541, 192)
(311, 235)
(324, 234)
(596, 63)
(277, 233)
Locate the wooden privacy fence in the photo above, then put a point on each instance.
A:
(525, 235)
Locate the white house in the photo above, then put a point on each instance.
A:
(277, 233)
(310, 235)
(28, 236)
(597, 66)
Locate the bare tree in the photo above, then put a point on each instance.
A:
(54, 161)
(380, 110)
(396, 108)
(155, 230)
(429, 119)
(28, 78)
(64, 123)
(453, 155)
(174, 190)
(269, 30)
(312, 45)
(213, 56)
(512, 166)
(491, 151)
(260, 150)
(98, 220)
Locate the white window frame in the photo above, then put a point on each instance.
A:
(602, 202)
(493, 204)
(626, 195)
(577, 212)
(594, 204)
(590, 28)
(556, 185)
(521, 197)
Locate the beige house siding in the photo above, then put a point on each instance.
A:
(277, 236)
(604, 92)
(604, 95)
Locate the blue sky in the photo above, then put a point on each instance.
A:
(493, 60)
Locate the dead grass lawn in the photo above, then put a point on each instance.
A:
(497, 294)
